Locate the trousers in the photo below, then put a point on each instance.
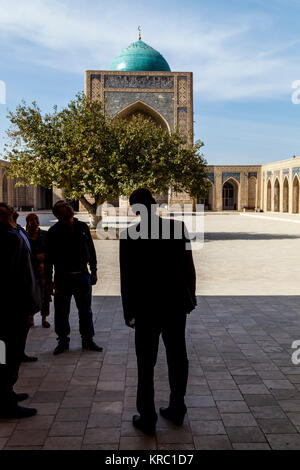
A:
(147, 334)
(79, 286)
(13, 333)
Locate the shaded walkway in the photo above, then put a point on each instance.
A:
(243, 392)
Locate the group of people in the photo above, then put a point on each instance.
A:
(157, 288)
(28, 258)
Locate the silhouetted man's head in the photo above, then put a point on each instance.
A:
(6, 214)
(63, 211)
(142, 196)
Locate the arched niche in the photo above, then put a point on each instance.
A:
(143, 109)
(285, 195)
(252, 184)
(276, 196)
(296, 195)
(269, 196)
(230, 195)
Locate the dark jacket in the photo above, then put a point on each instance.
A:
(38, 245)
(157, 275)
(20, 291)
(69, 248)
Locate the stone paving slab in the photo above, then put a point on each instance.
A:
(243, 390)
(245, 402)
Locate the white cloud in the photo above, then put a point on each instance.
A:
(230, 60)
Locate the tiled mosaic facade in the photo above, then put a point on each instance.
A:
(164, 96)
(227, 175)
(138, 81)
(245, 181)
(168, 93)
(161, 102)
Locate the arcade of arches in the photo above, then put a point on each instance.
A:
(274, 187)
(24, 197)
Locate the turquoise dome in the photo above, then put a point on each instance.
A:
(139, 57)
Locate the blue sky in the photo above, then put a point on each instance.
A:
(244, 55)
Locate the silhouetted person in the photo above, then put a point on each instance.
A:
(37, 239)
(70, 249)
(19, 298)
(158, 290)
(24, 236)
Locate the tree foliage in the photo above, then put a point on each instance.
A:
(84, 151)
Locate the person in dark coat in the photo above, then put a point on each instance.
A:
(70, 249)
(37, 239)
(158, 290)
(25, 238)
(19, 296)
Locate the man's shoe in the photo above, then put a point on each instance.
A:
(26, 358)
(91, 346)
(19, 396)
(173, 415)
(61, 348)
(17, 412)
(146, 426)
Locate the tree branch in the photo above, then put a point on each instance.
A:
(88, 205)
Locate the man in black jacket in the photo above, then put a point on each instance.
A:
(19, 299)
(158, 290)
(70, 248)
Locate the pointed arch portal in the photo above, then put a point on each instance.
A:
(141, 108)
(285, 195)
(269, 196)
(276, 196)
(230, 195)
(252, 193)
(296, 195)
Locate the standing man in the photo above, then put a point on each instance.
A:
(70, 249)
(19, 298)
(158, 290)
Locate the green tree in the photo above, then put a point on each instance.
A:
(85, 152)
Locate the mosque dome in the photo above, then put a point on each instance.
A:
(139, 57)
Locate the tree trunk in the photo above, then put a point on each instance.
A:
(94, 220)
(92, 210)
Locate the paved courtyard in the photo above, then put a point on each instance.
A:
(243, 391)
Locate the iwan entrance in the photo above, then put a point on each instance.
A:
(230, 196)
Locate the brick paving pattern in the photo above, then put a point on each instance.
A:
(243, 390)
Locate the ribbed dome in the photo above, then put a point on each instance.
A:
(138, 57)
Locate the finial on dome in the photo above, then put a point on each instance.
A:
(139, 30)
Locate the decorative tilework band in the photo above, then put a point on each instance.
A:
(285, 173)
(211, 177)
(296, 171)
(226, 176)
